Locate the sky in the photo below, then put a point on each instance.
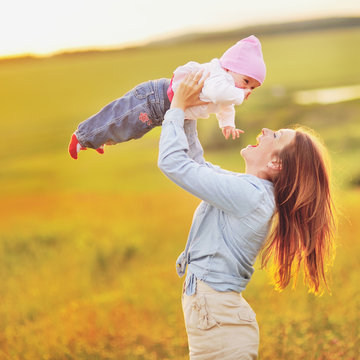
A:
(42, 27)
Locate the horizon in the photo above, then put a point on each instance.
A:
(45, 29)
(160, 38)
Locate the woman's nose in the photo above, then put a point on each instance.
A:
(266, 131)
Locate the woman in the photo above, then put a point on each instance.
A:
(285, 176)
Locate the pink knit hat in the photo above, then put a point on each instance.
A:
(245, 58)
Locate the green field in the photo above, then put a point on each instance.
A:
(88, 247)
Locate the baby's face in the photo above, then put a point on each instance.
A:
(244, 82)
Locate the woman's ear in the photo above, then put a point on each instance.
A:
(274, 164)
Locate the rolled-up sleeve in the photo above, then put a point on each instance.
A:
(181, 160)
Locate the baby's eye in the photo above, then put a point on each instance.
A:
(246, 81)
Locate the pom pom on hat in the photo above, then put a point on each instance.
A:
(245, 58)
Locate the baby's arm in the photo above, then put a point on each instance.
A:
(226, 118)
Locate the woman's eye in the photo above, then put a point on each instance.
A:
(274, 135)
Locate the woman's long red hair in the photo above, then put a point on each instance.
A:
(304, 223)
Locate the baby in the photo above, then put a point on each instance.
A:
(230, 81)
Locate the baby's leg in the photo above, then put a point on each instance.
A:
(75, 147)
(128, 117)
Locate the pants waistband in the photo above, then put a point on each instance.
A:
(202, 287)
(165, 95)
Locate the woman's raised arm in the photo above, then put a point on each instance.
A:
(227, 191)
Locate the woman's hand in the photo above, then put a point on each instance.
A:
(187, 94)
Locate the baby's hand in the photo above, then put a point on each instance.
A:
(230, 130)
(247, 93)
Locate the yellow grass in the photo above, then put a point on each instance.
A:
(88, 247)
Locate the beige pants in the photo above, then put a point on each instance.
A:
(220, 325)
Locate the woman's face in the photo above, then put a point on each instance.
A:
(259, 158)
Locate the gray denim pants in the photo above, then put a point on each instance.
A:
(128, 117)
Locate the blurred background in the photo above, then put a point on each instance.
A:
(88, 247)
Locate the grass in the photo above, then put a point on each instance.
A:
(88, 247)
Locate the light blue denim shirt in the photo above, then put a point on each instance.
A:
(231, 223)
